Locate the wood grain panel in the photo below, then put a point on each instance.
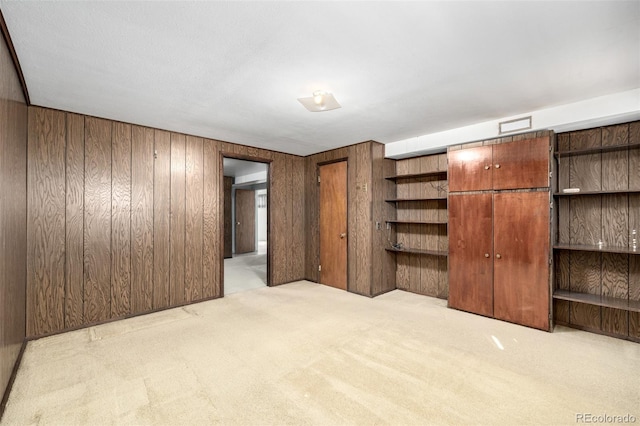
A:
(120, 220)
(13, 216)
(562, 258)
(213, 206)
(46, 218)
(585, 277)
(289, 212)
(193, 225)
(142, 158)
(615, 164)
(363, 218)
(279, 219)
(161, 219)
(585, 170)
(615, 283)
(615, 220)
(387, 235)
(471, 253)
(414, 231)
(352, 219)
(74, 242)
(634, 156)
(177, 234)
(311, 219)
(634, 294)
(297, 219)
(228, 219)
(562, 265)
(97, 220)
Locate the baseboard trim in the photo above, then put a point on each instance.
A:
(12, 378)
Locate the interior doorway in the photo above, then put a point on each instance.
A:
(333, 224)
(245, 264)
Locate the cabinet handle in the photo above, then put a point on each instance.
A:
(497, 166)
(487, 167)
(486, 255)
(498, 256)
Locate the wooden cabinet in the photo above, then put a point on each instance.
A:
(499, 238)
(513, 165)
(521, 258)
(471, 253)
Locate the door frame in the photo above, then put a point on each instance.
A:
(268, 162)
(317, 254)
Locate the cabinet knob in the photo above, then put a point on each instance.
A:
(498, 256)
(487, 167)
(497, 166)
(343, 235)
(486, 255)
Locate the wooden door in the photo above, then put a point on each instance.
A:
(245, 221)
(521, 265)
(471, 253)
(521, 164)
(333, 224)
(470, 169)
(228, 220)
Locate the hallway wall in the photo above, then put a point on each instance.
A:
(13, 205)
(125, 219)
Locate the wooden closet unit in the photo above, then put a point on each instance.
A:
(499, 230)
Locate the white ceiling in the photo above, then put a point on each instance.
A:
(235, 168)
(233, 70)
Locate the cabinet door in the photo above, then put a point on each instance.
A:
(470, 253)
(470, 169)
(522, 164)
(521, 265)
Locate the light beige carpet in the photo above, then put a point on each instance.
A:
(304, 353)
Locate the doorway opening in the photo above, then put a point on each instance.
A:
(245, 225)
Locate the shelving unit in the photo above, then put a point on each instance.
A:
(420, 224)
(416, 251)
(403, 200)
(417, 175)
(597, 287)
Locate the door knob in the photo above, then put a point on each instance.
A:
(497, 166)
(487, 167)
(344, 234)
(486, 255)
(498, 256)
(237, 223)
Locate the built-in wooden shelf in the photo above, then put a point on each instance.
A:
(418, 175)
(419, 222)
(400, 200)
(595, 248)
(608, 148)
(614, 191)
(418, 251)
(594, 299)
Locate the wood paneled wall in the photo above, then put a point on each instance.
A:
(371, 270)
(13, 211)
(423, 274)
(124, 219)
(608, 218)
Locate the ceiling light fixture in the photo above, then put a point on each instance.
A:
(320, 101)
